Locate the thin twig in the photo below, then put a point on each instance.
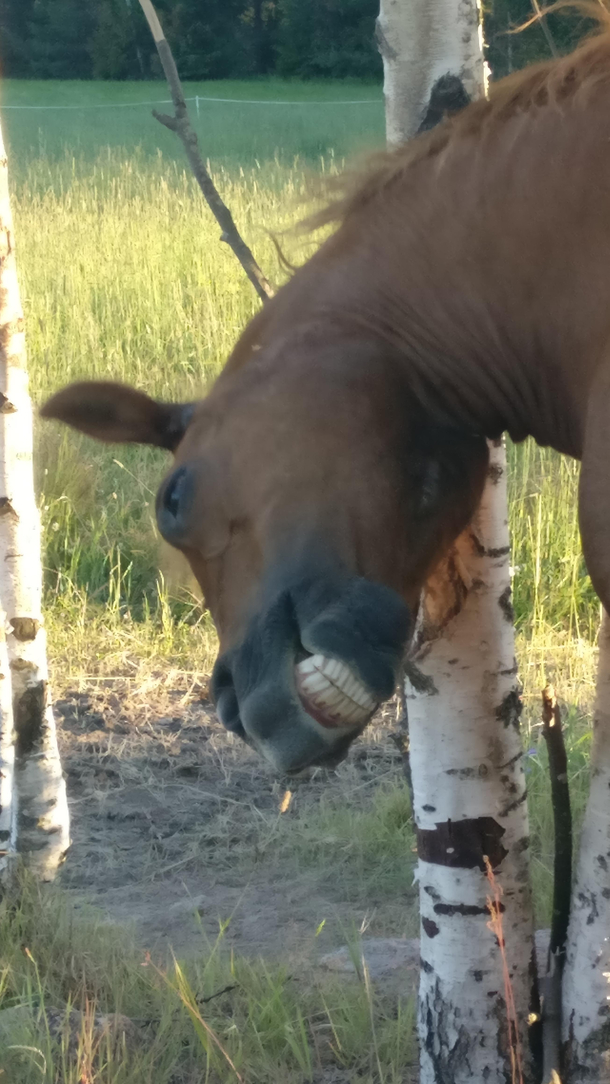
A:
(545, 29)
(562, 882)
(495, 908)
(181, 125)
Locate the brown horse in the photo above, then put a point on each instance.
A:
(465, 292)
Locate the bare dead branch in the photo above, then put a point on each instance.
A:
(181, 125)
(562, 881)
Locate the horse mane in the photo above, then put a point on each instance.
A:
(553, 82)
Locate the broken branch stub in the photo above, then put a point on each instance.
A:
(181, 125)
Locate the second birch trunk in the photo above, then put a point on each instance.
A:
(42, 812)
(586, 981)
(478, 990)
(423, 43)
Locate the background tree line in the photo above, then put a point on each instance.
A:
(220, 39)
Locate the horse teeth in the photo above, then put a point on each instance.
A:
(314, 683)
(332, 687)
(307, 666)
(331, 668)
(331, 697)
(355, 715)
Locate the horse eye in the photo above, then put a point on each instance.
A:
(174, 501)
(173, 493)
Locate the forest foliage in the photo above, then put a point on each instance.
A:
(221, 39)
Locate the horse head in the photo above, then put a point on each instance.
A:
(311, 499)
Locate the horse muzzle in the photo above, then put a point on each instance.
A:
(303, 684)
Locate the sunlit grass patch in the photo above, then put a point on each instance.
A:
(216, 1018)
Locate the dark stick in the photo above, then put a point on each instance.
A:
(181, 125)
(562, 819)
(562, 880)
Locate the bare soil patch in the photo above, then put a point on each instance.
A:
(178, 831)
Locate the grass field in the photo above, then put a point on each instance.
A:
(123, 276)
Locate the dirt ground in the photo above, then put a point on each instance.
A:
(178, 830)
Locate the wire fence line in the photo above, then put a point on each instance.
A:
(197, 98)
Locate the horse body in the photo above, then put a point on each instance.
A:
(343, 448)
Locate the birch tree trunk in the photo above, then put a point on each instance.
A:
(42, 811)
(427, 45)
(8, 796)
(477, 988)
(586, 982)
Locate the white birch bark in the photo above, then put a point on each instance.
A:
(586, 981)
(470, 800)
(420, 41)
(42, 817)
(8, 795)
(476, 994)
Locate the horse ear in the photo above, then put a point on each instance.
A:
(117, 413)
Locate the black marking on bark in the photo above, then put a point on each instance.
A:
(429, 808)
(505, 604)
(510, 784)
(386, 50)
(510, 672)
(494, 472)
(11, 327)
(448, 96)
(6, 407)
(452, 662)
(491, 551)
(6, 507)
(602, 862)
(469, 773)
(509, 711)
(29, 710)
(22, 665)
(589, 899)
(431, 892)
(425, 966)
(430, 927)
(584, 1061)
(25, 628)
(606, 893)
(467, 910)
(514, 805)
(421, 682)
(4, 836)
(448, 1057)
(513, 760)
(477, 975)
(521, 845)
(463, 844)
